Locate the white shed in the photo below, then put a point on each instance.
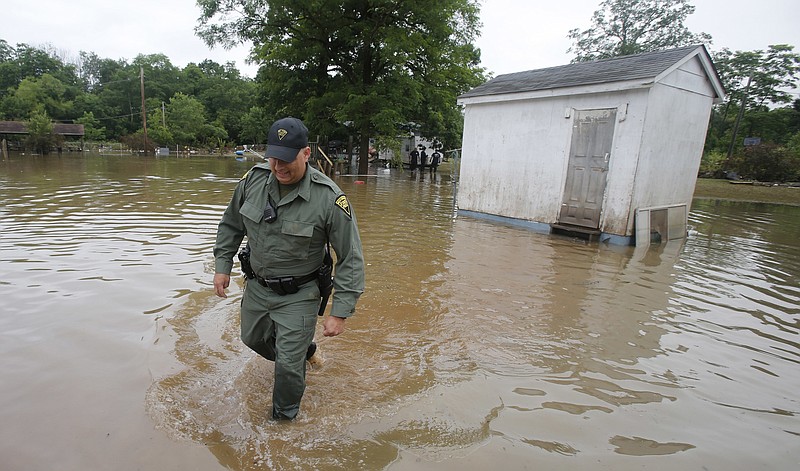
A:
(608, 148)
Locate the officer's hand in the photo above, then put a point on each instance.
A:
(221, 281)
(332, 326)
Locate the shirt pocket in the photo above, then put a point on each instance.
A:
(251, 212)
(251, 217)
(295, 240)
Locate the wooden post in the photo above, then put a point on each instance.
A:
(4, 149)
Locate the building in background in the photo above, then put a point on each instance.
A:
(608, 149)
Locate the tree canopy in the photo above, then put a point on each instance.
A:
(358, 67)
(625, 27)
(772, 73)
(203, 104)
(759, 85)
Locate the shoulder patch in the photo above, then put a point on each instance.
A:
(343, 204)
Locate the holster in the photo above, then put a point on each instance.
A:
(244, 258)
(325, 280)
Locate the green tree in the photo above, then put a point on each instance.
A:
(225, 95)
(35, 62)
(120, 100)
(186, 121)
(794, 144)
(160, 135)
(95, 72)
(157, 129)
(625, 27)
(185, 116)
(91, 103)
(40, 132)
(109, 92)
(46, 92)
(160, 76)
(771, 74)
(9, 75)
(6, 51)
(255, 125)
(371, 63)
(757, 83)
(92, 128)
(213, 135)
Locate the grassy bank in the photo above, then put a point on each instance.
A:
(723, 189)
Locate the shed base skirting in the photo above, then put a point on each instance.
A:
(577, 231)
(544, 228)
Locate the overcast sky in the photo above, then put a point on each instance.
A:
(517, 35)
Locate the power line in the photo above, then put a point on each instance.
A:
(99, 84)
(138, 113)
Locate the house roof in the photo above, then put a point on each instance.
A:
(13, 127)
(645, 66)
(68, 129)
(21, 127)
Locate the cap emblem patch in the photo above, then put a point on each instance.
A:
(282, 133)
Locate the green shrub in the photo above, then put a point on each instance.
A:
(794, 144)
(769, 163)
(40, 137)
(711, 165)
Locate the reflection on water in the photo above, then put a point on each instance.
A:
(476, 345)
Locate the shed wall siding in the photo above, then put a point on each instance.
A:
(673, 148)
(673, 141)
(501, 140)
(516, 146)
(515, 154)
(690, 77)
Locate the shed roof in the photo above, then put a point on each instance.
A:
(645, 66)
(21, 127)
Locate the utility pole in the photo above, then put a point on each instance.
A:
(163, 119)
(144, 111)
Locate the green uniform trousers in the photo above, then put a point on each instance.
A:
(280, 329)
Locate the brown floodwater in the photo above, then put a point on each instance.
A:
(476, 345)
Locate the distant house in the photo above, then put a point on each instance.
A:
(407, 144)
(608, 148)
(12, 130)
(62, 129)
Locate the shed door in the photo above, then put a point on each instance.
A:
(589, 154)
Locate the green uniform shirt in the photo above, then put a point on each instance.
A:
(314, 212)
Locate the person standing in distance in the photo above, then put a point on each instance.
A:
(289, 212)
(413, 158)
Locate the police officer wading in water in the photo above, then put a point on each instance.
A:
(291, 213)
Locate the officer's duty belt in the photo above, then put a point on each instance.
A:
(286, 284)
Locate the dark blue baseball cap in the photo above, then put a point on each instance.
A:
(285, 139)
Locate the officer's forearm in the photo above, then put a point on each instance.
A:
(229, 238)
(344, 303)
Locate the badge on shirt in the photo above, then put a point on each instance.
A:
(342, 203)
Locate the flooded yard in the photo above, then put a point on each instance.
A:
(475, 346)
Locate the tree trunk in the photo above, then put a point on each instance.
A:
(363, 153)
